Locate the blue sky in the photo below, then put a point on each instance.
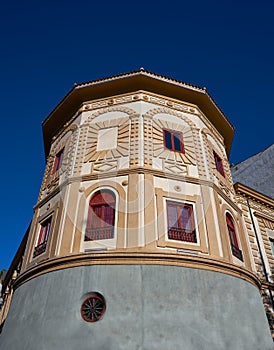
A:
(47, 46)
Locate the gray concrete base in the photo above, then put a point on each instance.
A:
(149, 307)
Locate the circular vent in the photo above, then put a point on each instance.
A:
(93, 308)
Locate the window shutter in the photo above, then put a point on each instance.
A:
(101, 216)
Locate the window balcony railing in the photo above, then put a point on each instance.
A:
(237, 252)
(39, 249)
(180, 234)
(94, 234)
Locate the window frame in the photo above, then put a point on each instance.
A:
(180, 230)
(45, 227)
(104, 229)
(233, 239)
(58, 160)
(173, 133)
(271, 242)
(270, 235)
(218, 161)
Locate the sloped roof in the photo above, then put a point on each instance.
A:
(257, 172)
(131, 82)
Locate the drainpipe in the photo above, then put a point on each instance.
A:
(260, 252)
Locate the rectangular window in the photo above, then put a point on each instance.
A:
(219, 164)
(181, 225)
(58, 161)
(173, 140)
(272, 245)
(42, 238)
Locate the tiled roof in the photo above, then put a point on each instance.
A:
(137, 72)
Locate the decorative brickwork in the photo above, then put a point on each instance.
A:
(148, 137)
(135, 141)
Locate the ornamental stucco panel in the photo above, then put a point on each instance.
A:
(118, 121)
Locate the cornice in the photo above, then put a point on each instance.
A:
(136, 170)
(109, 104)
(129, 83)
(251, 193)
(127, 257)
(267, 285)
(264, 216)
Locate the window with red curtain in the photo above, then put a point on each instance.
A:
(233, 237)
(101, 216)
(43, 237)
(173, 140)
(58, 161)
(181, 225)
(219, 164)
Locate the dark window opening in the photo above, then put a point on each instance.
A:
(173, 141)
(58, 161)
(272, 245)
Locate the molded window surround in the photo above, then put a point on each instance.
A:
(101, 216)
(43, 236)
(58, 161)
(197, 241)
(270, 234)
(181, 226)
(173, 140)
(272, 245)
(219, 164)
(233, 237)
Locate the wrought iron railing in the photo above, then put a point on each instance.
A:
(237, 252)
(39, 249)
(94, 234)
(180, 234)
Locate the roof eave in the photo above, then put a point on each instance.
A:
(131, 82)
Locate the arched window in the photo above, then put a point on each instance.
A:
(101, 216)
(233, 237)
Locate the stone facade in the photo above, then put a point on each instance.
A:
(258, 212)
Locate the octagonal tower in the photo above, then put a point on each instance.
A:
(137, 241)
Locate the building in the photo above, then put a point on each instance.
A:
(139, 239)
(254, 179)
(257, 172)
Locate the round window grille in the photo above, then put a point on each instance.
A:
(93, 308)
